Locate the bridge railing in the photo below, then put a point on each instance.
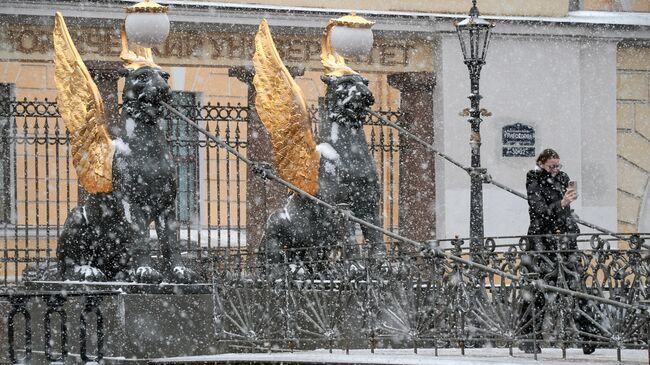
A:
(552, 265)
(579, 290)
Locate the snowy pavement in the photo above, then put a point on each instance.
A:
(489, 356)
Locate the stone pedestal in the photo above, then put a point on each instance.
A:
(141, 322)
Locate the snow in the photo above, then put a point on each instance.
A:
(87, 271)
(330, 168)
(487, 356)
(144, 270)
(211, 237)
(334, 132)
(327, 151)
(122, 147)
(83, 210)
(181, 270)
(130, 126)
(285, 214)
(285, 210)
(575, 17)
(581, 16)
(345, 101)
(352, 92)
(127, 211)
(606, 17)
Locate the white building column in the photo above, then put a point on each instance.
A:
(598, 178)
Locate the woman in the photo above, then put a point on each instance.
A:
(549, 207)
(549, 199)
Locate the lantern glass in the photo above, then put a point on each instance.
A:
(352, 42)
(474, 36)
(147, 29)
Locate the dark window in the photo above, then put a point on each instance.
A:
(184, 142)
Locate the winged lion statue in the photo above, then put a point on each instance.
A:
(131, 180)
(339, 169)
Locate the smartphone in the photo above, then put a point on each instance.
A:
(573, 185)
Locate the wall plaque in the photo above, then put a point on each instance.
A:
(518, 140)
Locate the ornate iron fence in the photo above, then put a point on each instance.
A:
(55, 312)
(38, 184)
(424, 299)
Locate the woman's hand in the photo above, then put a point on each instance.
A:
(569, 197)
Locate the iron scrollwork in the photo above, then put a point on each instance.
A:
(426, 300)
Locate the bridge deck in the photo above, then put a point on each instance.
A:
(484, 356)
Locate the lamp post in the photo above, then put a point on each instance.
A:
(474, 35)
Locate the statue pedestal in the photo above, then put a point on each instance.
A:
(140, 321)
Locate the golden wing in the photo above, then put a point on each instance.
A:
(283, 111)
(81, 108)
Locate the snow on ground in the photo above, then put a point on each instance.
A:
(484, 356)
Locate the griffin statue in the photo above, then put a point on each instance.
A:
(340, 169)
(131, 180)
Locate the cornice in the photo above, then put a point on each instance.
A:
(614, 26)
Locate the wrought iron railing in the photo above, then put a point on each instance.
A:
(605, 304)
(422, 299)
(55, 341)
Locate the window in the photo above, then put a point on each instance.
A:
(184, 144)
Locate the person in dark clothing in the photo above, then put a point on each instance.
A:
(549, 200)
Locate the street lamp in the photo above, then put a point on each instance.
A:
(345, 37)
(147, 24)
(351, 35)
(474, 35)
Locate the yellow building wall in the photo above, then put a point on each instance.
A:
(492, 7)
(617, 5)
(633, 133)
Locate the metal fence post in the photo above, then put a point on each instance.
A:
(19, 305)
(55, 305)
(7, 94)
(91, 305)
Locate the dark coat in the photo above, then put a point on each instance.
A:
(544, 195)
(547, 216)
